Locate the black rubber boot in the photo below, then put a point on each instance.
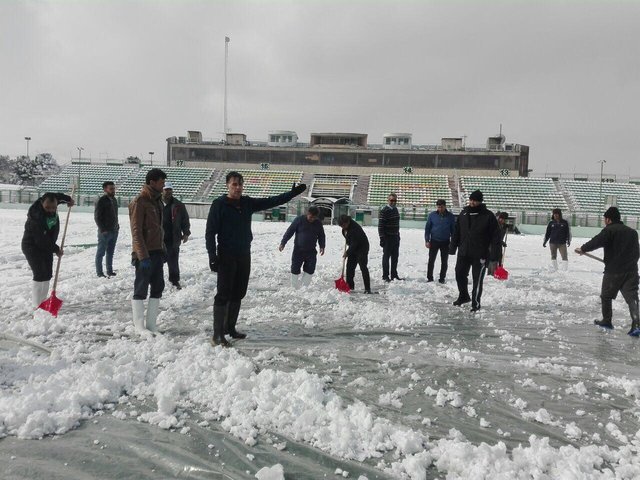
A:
(462, 300)
(219, 313)
(607, 314)
(232, 319)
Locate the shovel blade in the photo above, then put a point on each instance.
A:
(342, 285)
(501, 273)
(51, 304)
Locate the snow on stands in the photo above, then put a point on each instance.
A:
(402, 382)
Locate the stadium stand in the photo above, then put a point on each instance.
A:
(515, 193)
(411, 189)
(586, 197)
(91, 178)
(260, 183)
(333, 185)
(186, 181)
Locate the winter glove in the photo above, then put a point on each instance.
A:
(145, 264)
(298, 189)
(382, 242)
(492, 267)
(213, 263)
(504, 244)
(568, 244)
(544, 245)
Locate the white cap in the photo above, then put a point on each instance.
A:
(168, 186)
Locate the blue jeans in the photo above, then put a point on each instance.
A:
(106, 243)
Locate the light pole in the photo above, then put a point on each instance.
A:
(602, 162)
(151, 155)
(27, 139)
(80, 149)
(226, 62)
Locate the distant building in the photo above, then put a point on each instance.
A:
(349, 153)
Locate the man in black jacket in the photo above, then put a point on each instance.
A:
(558, 235)
(39, 241)
(357, 252)
(477, 239)
(389, 232)
(621, 253)
(230, 221)
(106, 217)
(177, 229)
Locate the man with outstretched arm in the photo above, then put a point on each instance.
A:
(145, 216)
(308, 231)
(621, 254)
(477, 239)
(39, 241)
(228, 238)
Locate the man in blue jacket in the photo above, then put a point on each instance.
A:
(558, 235)
(229, 221)
(437, 235)
(309, 231)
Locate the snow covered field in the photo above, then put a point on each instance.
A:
(396, 385)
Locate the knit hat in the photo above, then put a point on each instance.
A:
(612, 214)
(504, 215)
(168, 186)
(476, 195)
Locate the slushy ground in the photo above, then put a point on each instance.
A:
(396, 385)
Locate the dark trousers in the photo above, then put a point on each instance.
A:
(443, 248)
(361, 259)
(41, 264)
(478, 269)
(149, 277)
(390, 253)
(303, 260)
(233, 278)
(627, 284)
(173, 254)
(106, 244)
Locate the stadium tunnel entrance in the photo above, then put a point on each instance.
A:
(331, 208)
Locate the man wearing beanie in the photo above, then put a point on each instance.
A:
(621, 253)
(477, 240)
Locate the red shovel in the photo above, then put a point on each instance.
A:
(341, 283)
(53, 303)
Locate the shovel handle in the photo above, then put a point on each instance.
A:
(344, 260)
(579, 252)
(64, 234)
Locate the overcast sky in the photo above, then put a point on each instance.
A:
(118, 78)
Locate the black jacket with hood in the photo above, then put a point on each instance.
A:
(477, 234)
(39, 238)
